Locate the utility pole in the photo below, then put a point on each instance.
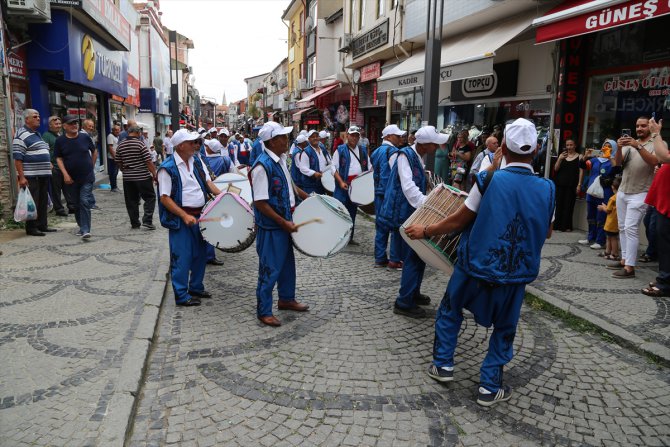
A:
(432, 68)
(174, 87)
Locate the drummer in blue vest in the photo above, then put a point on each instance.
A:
(218, 163)
(183, 186)
(505, 221)
(349, 161)
(406, 191)
(243, 150)
(381, 162)
(223, 136)
(311, 163)
(256, 150)
(274, 200)
(299, 145)
(323, 141)
(233, 148)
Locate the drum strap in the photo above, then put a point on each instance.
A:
(354, 154)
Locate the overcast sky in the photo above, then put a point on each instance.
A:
(233, 39)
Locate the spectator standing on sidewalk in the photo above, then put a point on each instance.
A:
(112, 144)
(566, 179)
(651, 253)
(88, 128)
(76, 155)
(55, 129)
(167, 142)
(659, 198)
(158, 145)
(600, 168)
(139, 174)
(33, 167)
(638, 160)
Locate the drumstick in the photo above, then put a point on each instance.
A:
(307, 222)
(214, 219)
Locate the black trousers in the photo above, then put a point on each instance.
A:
(565, 206)
(132, 192)
(57, 183)
(663, 246)
(39, 189)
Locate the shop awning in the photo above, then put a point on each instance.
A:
(462, 57)
(297, 115)
(577, 17)
(308, 101)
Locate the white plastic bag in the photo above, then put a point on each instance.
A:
(596, 189)
(25, 206)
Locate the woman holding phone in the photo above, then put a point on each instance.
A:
(566, 178)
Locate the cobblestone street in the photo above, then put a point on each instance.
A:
(77, 319)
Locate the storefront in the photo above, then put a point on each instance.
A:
(371, 102)
(71, 71)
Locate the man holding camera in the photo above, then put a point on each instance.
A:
(637, 160)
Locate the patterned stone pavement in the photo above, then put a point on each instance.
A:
(78, 319)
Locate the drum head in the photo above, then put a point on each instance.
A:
(228, 223)
(328, 237)
(362, 189)
(237, 183)
(428, 253)
(328, 180)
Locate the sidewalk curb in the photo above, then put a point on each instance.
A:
(624, 337)
(122, 406)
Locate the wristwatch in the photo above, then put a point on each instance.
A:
(654, 135)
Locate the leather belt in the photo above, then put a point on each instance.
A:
(192, 211)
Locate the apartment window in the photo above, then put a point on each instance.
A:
(381, 8)
(311, 70)
(361, 15)
(312, 11)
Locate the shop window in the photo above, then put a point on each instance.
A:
(615, 101)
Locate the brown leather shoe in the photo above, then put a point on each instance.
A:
(270, 320)
(292, 305)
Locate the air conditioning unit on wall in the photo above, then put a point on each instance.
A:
(30, 10)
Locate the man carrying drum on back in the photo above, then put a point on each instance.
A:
(506, 217)
(406, 191)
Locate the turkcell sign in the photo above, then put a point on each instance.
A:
(93, 64)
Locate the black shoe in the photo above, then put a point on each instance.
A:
(135, 227)
(203, 294)
(215, 261)
(440, 374)
(190, 302)
(96, 207)
(61, 213)
(412, 312)
(48, 230)
(149, 226)
(422, 300)
(503, 395)
(353, 243)
(34, 233)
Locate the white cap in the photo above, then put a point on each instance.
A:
(212, 130)
(201, 130)
(392, 130)
(300, 139)
(519, 134)
(303, 132)
(214, 145)
(323, 134)
(271, 129)
(354, 129)
(311, 132)
(225, 132)
(428, 134)
(183, 135)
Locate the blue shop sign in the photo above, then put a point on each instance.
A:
(66, 45)
(153, 100)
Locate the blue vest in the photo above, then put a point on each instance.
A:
(296, 175)
(219, 165)
(343, 169)
(278, 193)
(380, 162)
(312, 183)
(396, 208)
(242, 157)
(504, 243)
(323, 148)
(169, 220)
(256, 150)
(231, 149)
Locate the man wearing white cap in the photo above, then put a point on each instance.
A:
(381, 162)
(274, 200)
(184, 186)
(311, 163)
(218, 162)
(243, 150)
(349, 161)
(505, 221)
(223, 136)
(405, 192)
(323, 140)
(299, 144)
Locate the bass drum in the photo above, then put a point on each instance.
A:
(227, 222)
(236, 184)
(328, 237)
(328, 179)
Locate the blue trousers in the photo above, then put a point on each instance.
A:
(596, 220)
(497, 305)
(187, 261)
(113, 172)
(80, 197)
(211, 252)
(650, 231)
(411, 278)
(382, 238)
(276, 265)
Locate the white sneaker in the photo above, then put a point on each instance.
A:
(596, 246)
(86, 236)
(583, 241)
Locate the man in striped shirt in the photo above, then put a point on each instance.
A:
(33, 166)
(139, 174)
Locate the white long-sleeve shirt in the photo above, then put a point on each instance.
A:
(191, 194)
(302, 161)
(259, 178)
(354, 166)
(412, 192)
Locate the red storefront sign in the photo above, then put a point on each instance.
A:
(16, 62)
(353, 109)
(371, 72)
(605, 18)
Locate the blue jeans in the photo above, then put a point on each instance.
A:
(410, 279)
(650, 231)
(276, 265)
(80, 197)
(497, 305)
(187, 261)
(382, 238)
